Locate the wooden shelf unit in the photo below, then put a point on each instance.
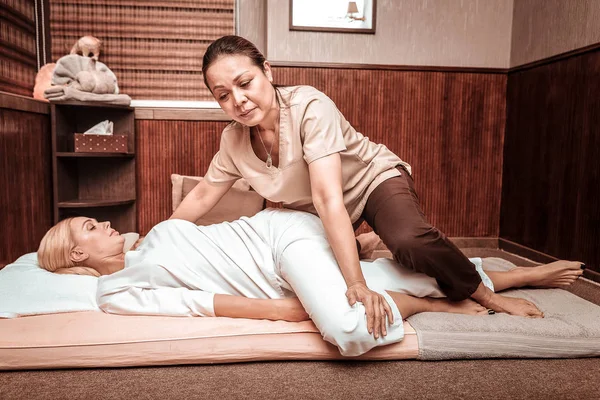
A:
(96, 185)
(78, 203)
(93, 155)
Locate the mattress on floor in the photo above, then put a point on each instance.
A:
(570, 328)
(96, 339)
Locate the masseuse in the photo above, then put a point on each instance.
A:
(294, 146)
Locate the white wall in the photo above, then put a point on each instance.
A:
(252, 22)
(461, 33)
(543, 28)
(468, 33)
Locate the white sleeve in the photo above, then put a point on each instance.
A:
(151, 290)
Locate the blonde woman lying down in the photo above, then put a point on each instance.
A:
(254, 268)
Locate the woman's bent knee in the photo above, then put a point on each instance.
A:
(348, 331)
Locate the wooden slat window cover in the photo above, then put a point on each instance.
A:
(155, 47)
(17, 46)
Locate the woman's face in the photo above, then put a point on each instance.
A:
(96, 239)
(243, 90)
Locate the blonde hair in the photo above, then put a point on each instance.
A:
(55, 248)
(54, 253)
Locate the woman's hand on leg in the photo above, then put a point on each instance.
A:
(376, 307)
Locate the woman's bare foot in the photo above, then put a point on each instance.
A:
(504, 304)
(409, 305)
(514, 306)
(467, 306)
(559, 274)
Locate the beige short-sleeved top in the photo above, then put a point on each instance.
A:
(310, 127)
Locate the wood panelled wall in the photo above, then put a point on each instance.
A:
(166, 147)
(17, 47)
(154, 47)
(448, 125)
(550, 196)
(25, 182)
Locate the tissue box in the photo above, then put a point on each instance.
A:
(100, 143)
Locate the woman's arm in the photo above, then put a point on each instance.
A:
(123, 294)
(186, 302)
(200, 200)
(242, 307)
(326, 186)
(152, 289)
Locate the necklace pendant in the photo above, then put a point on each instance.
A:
(269, 161)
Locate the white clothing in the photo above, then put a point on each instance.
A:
(180, 266)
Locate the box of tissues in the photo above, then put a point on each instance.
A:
(100, 143)
(100, 139)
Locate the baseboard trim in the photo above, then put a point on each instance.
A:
(480, 242)
(524, 251)
(592, 275)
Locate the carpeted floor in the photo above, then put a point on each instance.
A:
(476, 379)
(466, 379)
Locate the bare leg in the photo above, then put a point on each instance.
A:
(409, 305)
(509, 305)
(559, 274)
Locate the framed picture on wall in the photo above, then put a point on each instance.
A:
(345, 16)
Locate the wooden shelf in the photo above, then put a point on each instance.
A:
(66, 154)
(98, 184)
(91, 104)
(78, 203)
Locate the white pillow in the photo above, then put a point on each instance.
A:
(28, 289)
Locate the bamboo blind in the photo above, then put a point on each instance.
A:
(155, 47)
(17, 46)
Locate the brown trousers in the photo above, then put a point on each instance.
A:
(394, 213)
